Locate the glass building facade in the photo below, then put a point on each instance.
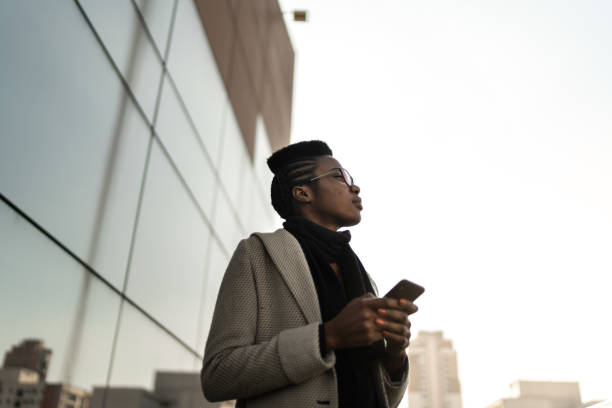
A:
(132, 161)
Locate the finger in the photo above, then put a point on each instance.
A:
(375, 303)
(396, 340)
(384, 303)
(396, 328)
(394, 315)
(408, 306)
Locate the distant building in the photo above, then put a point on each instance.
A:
(541, 394)
(172, 389)
(20, 387)
(433, 379)
(30, 354)
(125, 397)
(182, 389)
(65, 396)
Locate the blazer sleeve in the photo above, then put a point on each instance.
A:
(395, 390)
(235, 367)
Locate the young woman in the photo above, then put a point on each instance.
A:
(297, 323)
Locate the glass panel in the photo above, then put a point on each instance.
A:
(225, 223)
(168, 260)
(143, 350)
(77, 168)
(185, 148)
(262, 152)
(193, 68)
(46, 295)
(217, 263)
(157, 15)
(247, 193)
(118, 25)
(234, 158)
(260, 216)
(150, 369)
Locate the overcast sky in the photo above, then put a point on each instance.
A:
(480, 133)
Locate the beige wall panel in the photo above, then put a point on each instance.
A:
(255, 57)
(219, 25)
(251, 42)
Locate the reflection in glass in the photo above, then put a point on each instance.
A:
(118, 25)
(157, 15)
(225, 223)
(185, 148)
(234, 160)
(246, 196)
(192, 66)
(51, 298)
(215, 269)
(73, 143)
(143, 349)
(167, 267)
(262, 152)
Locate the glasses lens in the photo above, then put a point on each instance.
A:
(347, 177)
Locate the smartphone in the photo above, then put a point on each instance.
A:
(406, 290)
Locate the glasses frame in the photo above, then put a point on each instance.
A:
(342, 173)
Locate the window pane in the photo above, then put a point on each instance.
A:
(185, 149)
(143, 349)
(234, 159)
(150, 369)
(193, 68)
(118, 25)
(225, 223)
(247, 193)
(51, 297)
(167, 268)
(73, 144)
(217, 263)
(262, 152)
(157, 15)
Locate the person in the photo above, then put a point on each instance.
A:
(297, 322)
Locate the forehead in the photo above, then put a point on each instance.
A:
(326, 163)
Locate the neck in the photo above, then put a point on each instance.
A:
(324, 223)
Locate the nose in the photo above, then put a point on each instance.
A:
(355, 189)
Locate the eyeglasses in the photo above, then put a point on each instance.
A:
(346, 176)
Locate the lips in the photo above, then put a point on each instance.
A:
(357, 203)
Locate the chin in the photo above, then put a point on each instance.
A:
(349, 222)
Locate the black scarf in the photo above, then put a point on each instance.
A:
(321, 246)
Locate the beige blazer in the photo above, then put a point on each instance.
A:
(263, 344)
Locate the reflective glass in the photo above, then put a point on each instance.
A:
(262, 152)
(118, 25)
(234, 160)
(157, 15)
(144, 349)
(52, 298)
(184, 147)
(261, 216)
(225, 223)
(193, 68)
(167, 267)
(73, 144)
(247, 193)
(215, 269)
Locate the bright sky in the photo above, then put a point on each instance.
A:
(480, 133)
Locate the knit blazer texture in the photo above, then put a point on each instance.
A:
(263, 344)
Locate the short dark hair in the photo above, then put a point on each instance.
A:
(293, 165)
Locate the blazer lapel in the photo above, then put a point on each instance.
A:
(287, 255)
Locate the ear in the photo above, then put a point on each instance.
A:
(301, 194)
